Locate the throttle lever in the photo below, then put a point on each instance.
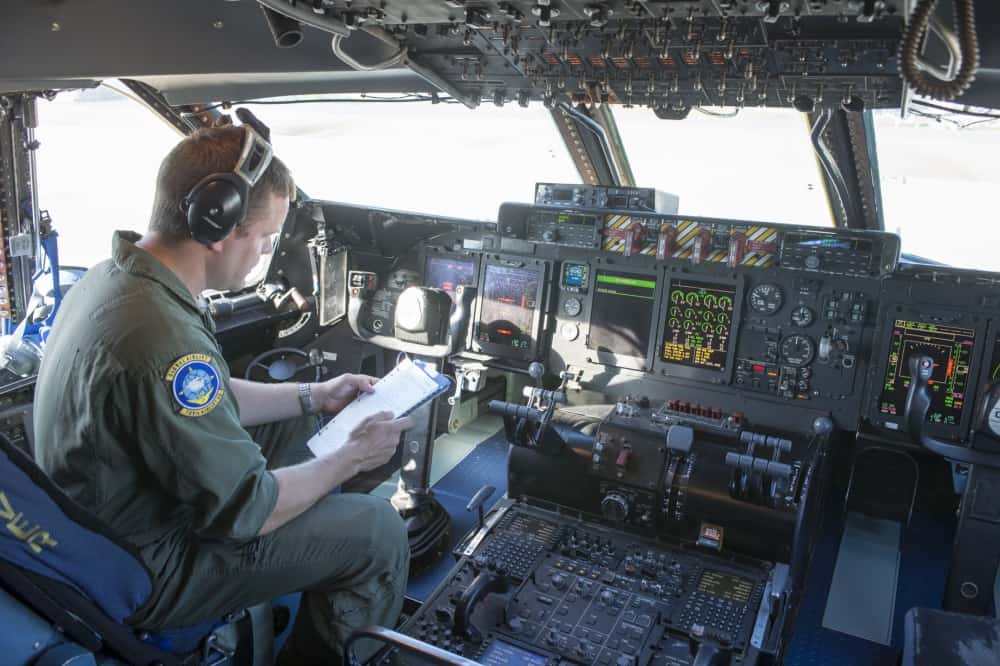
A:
(918, 402)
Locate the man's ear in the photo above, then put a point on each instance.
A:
(216, 247)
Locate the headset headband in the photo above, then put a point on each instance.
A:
(255, 156)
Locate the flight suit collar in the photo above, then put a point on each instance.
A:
(132, 259)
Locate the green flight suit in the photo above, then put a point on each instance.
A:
(135, 419)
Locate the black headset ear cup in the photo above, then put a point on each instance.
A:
(215, 206)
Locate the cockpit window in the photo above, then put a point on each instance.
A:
(755, 165)
(939, 184)
(97, 167)
(442, 159)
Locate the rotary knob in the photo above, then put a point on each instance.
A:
(614, 507)
(550, 235)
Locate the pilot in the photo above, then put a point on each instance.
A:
(137, 418)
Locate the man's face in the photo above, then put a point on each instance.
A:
(244, 247)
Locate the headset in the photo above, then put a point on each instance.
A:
(218, 203)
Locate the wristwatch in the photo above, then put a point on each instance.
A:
(305, 399)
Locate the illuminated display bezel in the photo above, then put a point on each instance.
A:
(427, 255)
(626, 361)
(710, 375)
(544, 270)
(939, 316)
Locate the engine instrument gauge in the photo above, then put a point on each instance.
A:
(802, 316)
(797, 350)
(572, 307)
(766, 298)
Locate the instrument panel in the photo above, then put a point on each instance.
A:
(778, 324)
(738, 314)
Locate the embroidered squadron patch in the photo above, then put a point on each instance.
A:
(195, 384)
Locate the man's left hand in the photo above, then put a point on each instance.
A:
(331, 396)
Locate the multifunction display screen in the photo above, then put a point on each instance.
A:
(726, 586)
(509, 301)
(504, 654)
(574, 276)
(950, 347)
(449, 272)
(699, 324)
(622, 313)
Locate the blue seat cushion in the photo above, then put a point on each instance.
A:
(43, 531)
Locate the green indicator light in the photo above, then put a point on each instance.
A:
(628, 282)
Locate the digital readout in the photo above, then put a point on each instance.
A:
(726, 586)
(699, 324)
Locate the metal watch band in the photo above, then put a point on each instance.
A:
(305, 399)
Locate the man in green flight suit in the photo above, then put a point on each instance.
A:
(137, 418)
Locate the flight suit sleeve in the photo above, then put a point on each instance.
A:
(194, 446)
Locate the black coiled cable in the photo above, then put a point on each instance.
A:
(925, 83)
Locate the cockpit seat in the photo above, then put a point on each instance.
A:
(67, 567)
(939, 638)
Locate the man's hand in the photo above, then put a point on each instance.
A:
(373, 442)
(331, 396)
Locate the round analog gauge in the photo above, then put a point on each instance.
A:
(766, 298)
(803, 316)
(572, 307)
(797, 350)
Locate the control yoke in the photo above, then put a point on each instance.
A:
(457, 324)
(918, 401)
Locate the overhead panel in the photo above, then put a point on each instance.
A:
(668, 55)
(665, 55)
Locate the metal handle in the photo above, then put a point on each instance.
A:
(404, 642)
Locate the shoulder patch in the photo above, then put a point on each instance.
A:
(195, 384)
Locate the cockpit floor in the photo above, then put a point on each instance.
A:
(450, 450)
(925, 550)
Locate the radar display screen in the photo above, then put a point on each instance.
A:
(950, 347)
(509, 302)
(621, 314)
(699, 324)
(449, 272)
(726, 586)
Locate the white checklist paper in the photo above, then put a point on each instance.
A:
(409, 385)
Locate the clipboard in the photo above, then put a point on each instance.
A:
(406, 387)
